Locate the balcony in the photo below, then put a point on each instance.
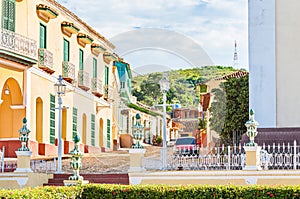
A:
(45, 12)
(45, 60)
(69, 28)
(97, 49)
(125, 92)
(108, 92)
(97, 87)
(108, 57)
(18, 46)
(84, 39)
(83, 80)
(68, 70)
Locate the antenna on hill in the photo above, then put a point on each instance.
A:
(235, 56)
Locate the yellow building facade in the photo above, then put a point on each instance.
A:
(40, 40)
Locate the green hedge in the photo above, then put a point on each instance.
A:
(42, 192)
(107, 191)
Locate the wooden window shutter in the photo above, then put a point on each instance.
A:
(66, 50)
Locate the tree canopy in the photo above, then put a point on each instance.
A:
(229, 111)
(182, 85)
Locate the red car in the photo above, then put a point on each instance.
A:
(186, 146)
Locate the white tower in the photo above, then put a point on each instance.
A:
(274, 41)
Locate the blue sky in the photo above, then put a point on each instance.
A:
(212, 24)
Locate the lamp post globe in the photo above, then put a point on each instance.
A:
(164, 83)
(60, 87)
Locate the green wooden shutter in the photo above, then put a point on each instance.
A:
(80, 59)
(66, 50)
(94, 68)
(8, 14)
(5, 14)
(11, 15)
(43, 32)
(93, 130)
(108, 133)
(52, 119)
(74, 131)
(106, 74)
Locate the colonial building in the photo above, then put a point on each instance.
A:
(204, 91)
(40, 40)
(189, 120)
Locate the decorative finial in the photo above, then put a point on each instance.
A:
(137, 116)
(76, 138)
(251, 112)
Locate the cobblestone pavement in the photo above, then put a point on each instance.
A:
(108, 162)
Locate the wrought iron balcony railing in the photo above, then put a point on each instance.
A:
(45, 60)
(18, 44)
(97, 87)
(108, 91)
(83, 80)
(68, 71)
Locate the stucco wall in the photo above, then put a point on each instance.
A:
(217, 177)
(288, 65)
(262, 61)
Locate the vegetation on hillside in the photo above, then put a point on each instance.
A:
(182, 85)
(229, 111)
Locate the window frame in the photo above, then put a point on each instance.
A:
(44, 34)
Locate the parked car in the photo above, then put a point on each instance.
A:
(186, 146)
(171, 142)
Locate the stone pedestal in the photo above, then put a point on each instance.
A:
(136, 160)
(23, 161)
(252, 158)
(75, 182)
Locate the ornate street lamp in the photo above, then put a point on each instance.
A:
(60, 89)
(164, 87)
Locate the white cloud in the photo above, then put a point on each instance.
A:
(214, 24)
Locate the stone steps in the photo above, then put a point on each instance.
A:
(58, 179)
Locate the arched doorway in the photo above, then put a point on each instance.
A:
(39, 120)
(101, 132)
(12, 110)
(84, 128)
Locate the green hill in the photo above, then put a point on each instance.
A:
(182, 85)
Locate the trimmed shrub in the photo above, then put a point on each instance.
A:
(49, 192)
(111, 191)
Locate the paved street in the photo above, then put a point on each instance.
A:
(108, 162)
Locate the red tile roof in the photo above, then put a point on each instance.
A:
(236, 74)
